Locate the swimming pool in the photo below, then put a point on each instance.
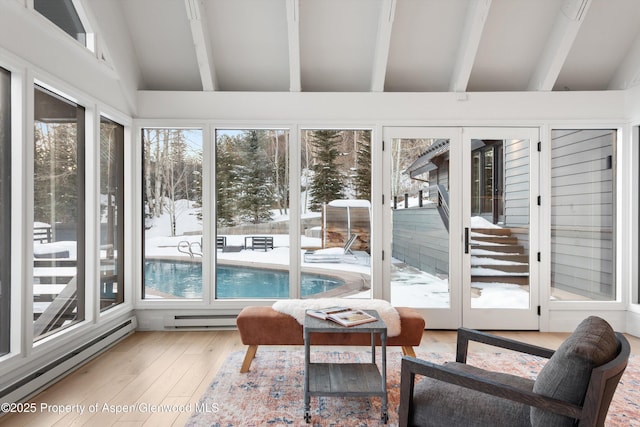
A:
(184, 280)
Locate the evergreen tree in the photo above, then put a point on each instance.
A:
(256, 192)
(363, 167)
(327, 182)
(226, 181)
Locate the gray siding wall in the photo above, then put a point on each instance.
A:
(439, 176)
(516, 189)
(420, 239)
(516, 183)
(582, 212)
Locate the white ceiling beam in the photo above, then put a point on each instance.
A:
(628, 73)
(201, 43)
(293, 31)
(383, 41)
(561, 38)
(470, 40)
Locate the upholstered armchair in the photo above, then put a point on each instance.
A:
(575, 386)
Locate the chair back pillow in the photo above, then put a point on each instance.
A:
(566, 375)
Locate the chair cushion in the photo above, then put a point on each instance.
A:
(566, 375)
(437, 403)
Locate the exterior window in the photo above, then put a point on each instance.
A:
(582, 215)
(487, 199)
(252, 213)
(63, 13)
(5, 210)
(58, 200)
(172, 204)
(111, 213)
(336, 213)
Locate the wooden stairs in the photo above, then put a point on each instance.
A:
(497, 257)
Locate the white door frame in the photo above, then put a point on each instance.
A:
(460, 312)
(494, 318)
(435, 318)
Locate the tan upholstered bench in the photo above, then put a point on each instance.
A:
(266, 326)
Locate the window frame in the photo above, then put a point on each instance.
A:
(82, 314)
(138, 217)
(120, 213)
(6, 224)
(553, 306)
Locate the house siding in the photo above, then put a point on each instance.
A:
(420, 239)
(516, 189)
(582, 212)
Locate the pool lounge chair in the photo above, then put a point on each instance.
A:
(343, 254)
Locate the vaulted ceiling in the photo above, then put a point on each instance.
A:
(376, 45)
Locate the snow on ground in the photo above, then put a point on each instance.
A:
(479, 222)
(481, 271)
(70, 247)
(500, 295)
(492, 261)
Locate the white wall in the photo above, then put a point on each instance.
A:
(426, 109)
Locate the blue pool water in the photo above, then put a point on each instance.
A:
(184, 280)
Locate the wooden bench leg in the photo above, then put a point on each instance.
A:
(248, 357)
(407, 350)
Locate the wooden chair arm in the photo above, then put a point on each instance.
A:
(411, 367)
(465, 335)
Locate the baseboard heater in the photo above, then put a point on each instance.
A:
(34, 382)
(203, 321)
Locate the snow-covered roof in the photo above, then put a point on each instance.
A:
(423, 163)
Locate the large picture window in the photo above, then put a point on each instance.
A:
(5, 210)
(252, 213)
(111, 213)
(336, 213)
(172, 203)
(59, 212)
(582, 215)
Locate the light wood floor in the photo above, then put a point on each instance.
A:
(174, 368)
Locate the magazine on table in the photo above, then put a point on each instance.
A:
(344, 316)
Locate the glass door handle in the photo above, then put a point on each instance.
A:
(466, 240)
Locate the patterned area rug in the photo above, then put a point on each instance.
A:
(271, 393)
